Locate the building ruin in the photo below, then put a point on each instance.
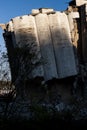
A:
(59, 38)
(56, 34)
(53, 34)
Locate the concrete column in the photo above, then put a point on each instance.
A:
(47, 51)
(63, 47)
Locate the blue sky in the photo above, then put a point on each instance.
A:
(12, 8)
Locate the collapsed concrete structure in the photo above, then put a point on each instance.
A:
(57, 35)
(51, 32)
(59, 38)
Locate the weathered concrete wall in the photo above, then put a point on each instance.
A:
(59, 39)
(50, 31)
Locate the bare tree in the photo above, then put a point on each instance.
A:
(26, 60)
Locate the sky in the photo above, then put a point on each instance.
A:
(13, 8)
